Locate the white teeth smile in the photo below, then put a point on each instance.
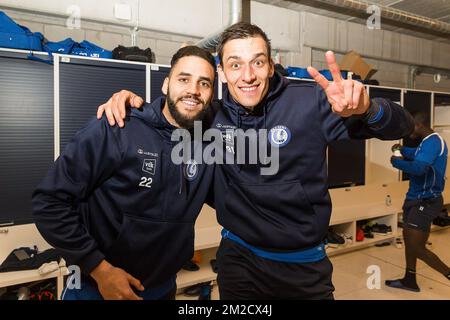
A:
(249, 89)
(191, 103)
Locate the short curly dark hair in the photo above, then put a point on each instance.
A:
(193, 51)
(241, 30)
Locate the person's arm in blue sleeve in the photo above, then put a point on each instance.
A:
(90, 158)
(384, 120)
(414, 168)
(422, 161)
(408, 153)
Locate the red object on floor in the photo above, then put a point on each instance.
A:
(359, 234)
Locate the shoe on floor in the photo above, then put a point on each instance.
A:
(383, 244)
(399, 285)
(347, 238)
(195, 289)
(192, 291)
(381, 228)
(190, 266)
(334, 239)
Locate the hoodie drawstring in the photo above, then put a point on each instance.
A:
(180, 180)
(239, 123)
(264, 113)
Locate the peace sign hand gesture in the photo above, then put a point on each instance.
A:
(347, 97)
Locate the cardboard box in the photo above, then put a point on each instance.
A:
(353, 62)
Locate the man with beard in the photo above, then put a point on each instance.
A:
(116, 205)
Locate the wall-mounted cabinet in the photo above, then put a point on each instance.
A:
(416, 102)
(26, 132)
(379, 168)
(441, 109)
(85, 84)
(156, 79)
(346, 163)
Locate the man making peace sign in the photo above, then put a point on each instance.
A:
(346, 97)
(274, 225)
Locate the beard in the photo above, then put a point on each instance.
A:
(184, 121)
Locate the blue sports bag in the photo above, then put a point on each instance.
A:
(16, 36)
(88, 49)
(63, 47)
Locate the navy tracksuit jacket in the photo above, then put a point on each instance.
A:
(115, 194)
(290, 211)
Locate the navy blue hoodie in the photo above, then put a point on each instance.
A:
(115, 194)
(290, 211)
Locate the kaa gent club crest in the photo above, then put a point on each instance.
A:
(279, 136)
(191, 170)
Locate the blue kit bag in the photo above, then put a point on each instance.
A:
(302, 73)
(16, 36)
(88, 49)
(62, 47)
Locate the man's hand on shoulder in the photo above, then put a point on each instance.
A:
(115, 107)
